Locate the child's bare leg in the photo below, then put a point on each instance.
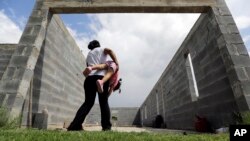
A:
(107, 76)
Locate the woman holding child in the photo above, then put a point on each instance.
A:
(97, 73)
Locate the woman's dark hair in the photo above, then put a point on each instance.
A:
(93, 44)
(118, 86)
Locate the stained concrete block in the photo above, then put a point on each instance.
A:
(246, 87)
(28, 39)
(233, 38)
(33, 29)
(9, 86)
(225, 20)
(33, 20)
(40, 121)
(229, 29)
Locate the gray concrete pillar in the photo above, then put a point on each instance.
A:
(234, 54)
(16, 79)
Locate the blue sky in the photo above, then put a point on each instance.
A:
(150, 47)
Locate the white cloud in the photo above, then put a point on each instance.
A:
(243, 22)
(9, 31)
(238, 7)
(241, 13)
(246, 39)
(81, 39)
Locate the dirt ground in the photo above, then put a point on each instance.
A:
(138, 129)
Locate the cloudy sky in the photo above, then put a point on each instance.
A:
(144, 43)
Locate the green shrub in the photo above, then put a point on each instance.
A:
(246, 117)
(3, 116)
(6, 122)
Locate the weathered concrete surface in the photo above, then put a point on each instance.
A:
(120, 116)
(6, 50)
(221, 66)
(125, 116)
(129, 6)
(58, 81)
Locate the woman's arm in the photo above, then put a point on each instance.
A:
(111, 54)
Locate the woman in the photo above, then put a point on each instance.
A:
(97, 55)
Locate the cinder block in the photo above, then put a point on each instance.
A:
(248, 100)
(246, 87)
(28, 39)
(35, 20)
(247, 70)
(225, 20)
(240, 61)
(18, 61)
(9, 86)
(224, 11)
(32, 29)
(242, 103)
(40, 120)
(229, 29)
(242, 74)
(9, 73)
(27, 74)
(233, 38)
(39, 4)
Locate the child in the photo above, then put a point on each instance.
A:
(111, 75)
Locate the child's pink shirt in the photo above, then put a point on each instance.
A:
(113, 81)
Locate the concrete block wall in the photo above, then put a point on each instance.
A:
(235, 55)
(125, 116)
(58, 81)
(217, 95)
(120, 116)
(16, 80)
(6, 51)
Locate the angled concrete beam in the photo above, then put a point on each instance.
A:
(130, 6)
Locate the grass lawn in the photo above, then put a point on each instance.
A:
(46, 135)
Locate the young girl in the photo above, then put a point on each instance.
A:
(111, 75)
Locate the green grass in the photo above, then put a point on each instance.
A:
(42, 135)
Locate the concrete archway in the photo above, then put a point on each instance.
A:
(24, 67)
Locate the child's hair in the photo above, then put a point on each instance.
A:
(118, 86)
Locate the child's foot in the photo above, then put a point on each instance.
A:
(99, 84)
(87, 71)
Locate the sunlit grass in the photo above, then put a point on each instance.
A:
(46, 135)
